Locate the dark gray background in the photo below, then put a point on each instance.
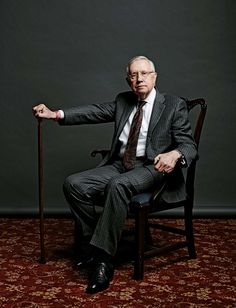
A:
(74, 52)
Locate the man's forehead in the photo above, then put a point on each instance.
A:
(140, 63)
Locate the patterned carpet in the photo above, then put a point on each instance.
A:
(170, 281)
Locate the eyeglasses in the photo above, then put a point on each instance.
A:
(144, 75)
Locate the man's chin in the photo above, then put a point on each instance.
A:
(141, 93)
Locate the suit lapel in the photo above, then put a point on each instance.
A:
(158, 108)
(127, 109)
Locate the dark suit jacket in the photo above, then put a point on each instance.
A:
(169, 129)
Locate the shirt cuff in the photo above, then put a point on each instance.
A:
(62, 114)
(59, 115)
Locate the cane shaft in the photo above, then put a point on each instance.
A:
(41, 190)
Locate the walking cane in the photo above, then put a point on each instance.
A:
(41, 191)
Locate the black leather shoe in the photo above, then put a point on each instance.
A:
(84, 261)
(101, 277)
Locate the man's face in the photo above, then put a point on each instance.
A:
(141, 78)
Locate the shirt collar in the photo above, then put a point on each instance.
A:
(151, 97)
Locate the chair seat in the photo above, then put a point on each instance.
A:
(145, 199)
(141, 199)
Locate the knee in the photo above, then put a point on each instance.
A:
(74, 186)
(117, 184)
(67, 186)
(70, 185)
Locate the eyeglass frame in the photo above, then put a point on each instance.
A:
(144, 75)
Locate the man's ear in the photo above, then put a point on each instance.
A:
(128, 81)
(156, 78)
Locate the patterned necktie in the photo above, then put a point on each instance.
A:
(130, 150)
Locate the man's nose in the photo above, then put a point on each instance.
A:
(139, 77)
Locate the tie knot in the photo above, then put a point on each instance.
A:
(141, 104)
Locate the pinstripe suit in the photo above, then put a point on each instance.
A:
(169, 129)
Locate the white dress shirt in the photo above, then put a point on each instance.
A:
(147, 111)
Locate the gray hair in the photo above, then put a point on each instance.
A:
(139, 58)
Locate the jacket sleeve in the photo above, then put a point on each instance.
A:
(182, 133)
(89, 114)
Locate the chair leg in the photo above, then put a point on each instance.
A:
(189, 232)
(140, 227)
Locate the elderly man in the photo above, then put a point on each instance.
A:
(152, 137)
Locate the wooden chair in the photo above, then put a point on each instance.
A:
(147, 206)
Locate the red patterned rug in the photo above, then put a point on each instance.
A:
(170, 281)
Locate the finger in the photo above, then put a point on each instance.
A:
(39, 113)
(159, 167)
(157, 162)
(36, 108)
(157, 159)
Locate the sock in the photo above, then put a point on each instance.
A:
(102, 256)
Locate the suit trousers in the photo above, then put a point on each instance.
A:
(99, 200)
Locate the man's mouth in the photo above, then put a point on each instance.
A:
(140, 86)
